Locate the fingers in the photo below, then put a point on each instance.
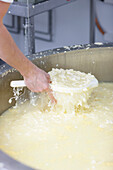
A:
(39, 83)
(52, 98)
(49, 91)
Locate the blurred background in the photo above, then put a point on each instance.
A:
(65, 25)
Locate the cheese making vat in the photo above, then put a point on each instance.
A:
(96, 59)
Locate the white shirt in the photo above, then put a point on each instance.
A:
(8, 1)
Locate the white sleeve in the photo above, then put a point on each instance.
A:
(8, 1)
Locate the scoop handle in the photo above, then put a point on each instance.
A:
(17, 83)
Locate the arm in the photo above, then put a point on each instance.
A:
(36, 79)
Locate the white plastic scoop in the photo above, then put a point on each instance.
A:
(66, 81)
(71, 81)
(18, 83)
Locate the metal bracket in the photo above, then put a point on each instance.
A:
(92, 21)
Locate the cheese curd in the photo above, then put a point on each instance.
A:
(71, 89)
(74, 134)
(51, 140)
(71, 81)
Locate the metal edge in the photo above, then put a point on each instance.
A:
(6, 68)
(68, 48)
(6, 163)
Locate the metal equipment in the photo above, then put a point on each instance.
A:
(21, 8)
(28, 10)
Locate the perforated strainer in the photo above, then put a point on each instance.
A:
(66, 81)
(70, 81)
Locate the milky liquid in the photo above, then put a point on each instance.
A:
(50, 140)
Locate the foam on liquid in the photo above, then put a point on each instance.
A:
(52, 140)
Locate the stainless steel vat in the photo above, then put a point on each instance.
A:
(96, 59)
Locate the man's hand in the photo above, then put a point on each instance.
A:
(38, 80)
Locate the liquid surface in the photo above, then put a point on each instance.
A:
(56, 141)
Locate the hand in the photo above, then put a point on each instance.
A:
(38, 80)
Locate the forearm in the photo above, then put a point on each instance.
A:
(36, 79)
(11, 54)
